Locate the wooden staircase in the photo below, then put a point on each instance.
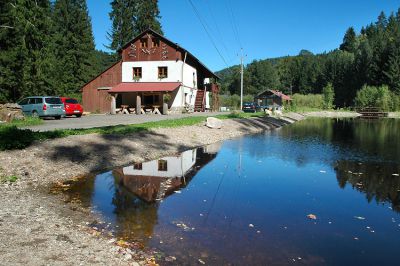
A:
(199, 104)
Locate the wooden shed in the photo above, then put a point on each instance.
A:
(271, 99)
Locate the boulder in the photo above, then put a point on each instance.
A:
(10, 111)
(213, 122)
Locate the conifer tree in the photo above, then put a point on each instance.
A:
(130, 18)
(74, 45)
(148, 16)
(349, 41)
(24, 44)
(123, 16)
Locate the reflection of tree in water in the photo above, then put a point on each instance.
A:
(81, 189)
(375, 180)
(368, 137)
(135, 218)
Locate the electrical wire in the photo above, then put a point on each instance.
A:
(219, 34)
(233, 23)
(208, 34)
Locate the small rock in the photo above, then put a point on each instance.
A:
(251, 225)
(127, 256)
(63, 238)
(213, 122)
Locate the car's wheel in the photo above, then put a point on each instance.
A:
(79, 115)
(35, 114)
(58, 117)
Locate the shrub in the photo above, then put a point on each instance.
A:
(381, 97)
(308, 101)
(233, 101)
(13, 138)
(329, 96)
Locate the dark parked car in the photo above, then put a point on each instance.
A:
(43, 106)
(249, 107)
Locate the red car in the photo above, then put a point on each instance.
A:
(72, 107)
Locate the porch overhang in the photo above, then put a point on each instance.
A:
(145, 87)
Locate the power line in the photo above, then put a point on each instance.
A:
(219, 34)
(233, 23)
(208, 34)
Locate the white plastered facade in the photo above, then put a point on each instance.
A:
(186, 94)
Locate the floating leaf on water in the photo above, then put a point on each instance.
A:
(359, 217)
(202, 261)
(258, 232)
(170, 258)
(122, 243)
(322, 171)
(312, 216)
(356, 238)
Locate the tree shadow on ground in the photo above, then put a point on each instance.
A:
(115, 150)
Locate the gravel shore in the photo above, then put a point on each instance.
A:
(331, 114)
(39, 228)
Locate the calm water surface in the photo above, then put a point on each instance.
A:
(246, 201)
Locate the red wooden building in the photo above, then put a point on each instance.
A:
(151, 67)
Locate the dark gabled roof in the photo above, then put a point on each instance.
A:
(277, 93)
(171, 44)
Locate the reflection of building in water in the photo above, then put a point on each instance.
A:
(375, 180)
(157, 179)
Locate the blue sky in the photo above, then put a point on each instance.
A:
(265, 28)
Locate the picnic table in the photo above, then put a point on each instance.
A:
(125, 109)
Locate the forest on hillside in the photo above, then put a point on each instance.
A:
(47, 46)
(369, 59)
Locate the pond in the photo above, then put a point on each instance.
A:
(319, 192)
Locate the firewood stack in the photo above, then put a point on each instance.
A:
(10, 111)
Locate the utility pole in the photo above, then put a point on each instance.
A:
(241, 80)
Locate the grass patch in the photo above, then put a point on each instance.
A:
(12, 137)
(28, 121)
(9, 179)
(240, 115)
